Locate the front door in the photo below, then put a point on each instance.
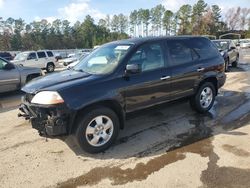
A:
(150, 86)
(9, 79)
(31, 60)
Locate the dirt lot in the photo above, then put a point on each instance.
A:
(166, 146)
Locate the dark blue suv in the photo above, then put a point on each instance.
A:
(92, 99)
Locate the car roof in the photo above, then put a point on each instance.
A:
(138, 41)
(27, 51)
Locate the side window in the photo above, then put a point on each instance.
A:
(2, 64)
(50, 54)
(31, 56)
(41, 54)
(204, 47)
(149, 57)
(179, 52)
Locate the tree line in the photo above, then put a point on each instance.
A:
(199, 19)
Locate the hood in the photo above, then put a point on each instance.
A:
(60, 80)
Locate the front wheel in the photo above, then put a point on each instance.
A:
(204, 98)
(50, 67)
(97, 130)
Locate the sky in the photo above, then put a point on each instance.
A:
(74, 10)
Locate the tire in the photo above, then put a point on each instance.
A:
(90, 133)
(235, 64)
(227, 65)
(50, 67)
(200, 105)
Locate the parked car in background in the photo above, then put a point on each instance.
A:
(58, 56)
(78, 60)
(6, 55)
(69, 60)
(228, 51)
(13, 77)
(92, 99)
(244, 43)
(43, 59)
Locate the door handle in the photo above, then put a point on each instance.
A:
(200, 69)
(165, 77)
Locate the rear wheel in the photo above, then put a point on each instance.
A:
(204, 98)
(50, 67)
(97, 130)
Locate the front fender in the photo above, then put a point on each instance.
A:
(78, 97)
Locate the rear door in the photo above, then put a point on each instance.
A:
(185, 67)
(42, 59)
(9, 79)
(50, 55)
(151, 86)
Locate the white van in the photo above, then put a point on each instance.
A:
(43, 59)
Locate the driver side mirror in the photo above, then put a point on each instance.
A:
(9, 66)
(133, 69)
(232, 48)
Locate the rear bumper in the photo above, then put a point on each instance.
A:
(48, 120)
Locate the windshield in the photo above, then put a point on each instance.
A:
(104, 59)
(21, 56)
(222, 45)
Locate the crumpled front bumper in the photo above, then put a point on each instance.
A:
(51, 120)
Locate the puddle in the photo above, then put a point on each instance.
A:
(195, 141)
(215, 176)
(141, 171)
(237, 117)
(236, 151)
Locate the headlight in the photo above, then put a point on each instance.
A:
(47, 97)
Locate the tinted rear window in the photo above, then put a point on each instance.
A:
(50, 54)
(204, 47)
(179, 52)
(41, 54)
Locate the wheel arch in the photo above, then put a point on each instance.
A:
(211, 79)
(50, 63)
(112, 104)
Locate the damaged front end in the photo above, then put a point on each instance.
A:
(49, 120)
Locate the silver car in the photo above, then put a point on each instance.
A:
(13, 77)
